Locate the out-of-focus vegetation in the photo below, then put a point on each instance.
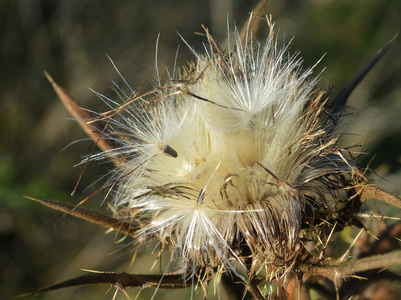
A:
(70, 39)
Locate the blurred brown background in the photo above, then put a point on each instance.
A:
(71, 40)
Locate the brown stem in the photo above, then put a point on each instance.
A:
(336, 271)
(371, 192)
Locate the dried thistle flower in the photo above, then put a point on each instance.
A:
(233, 166)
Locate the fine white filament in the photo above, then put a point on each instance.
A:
(224, 161)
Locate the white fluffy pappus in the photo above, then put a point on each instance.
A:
(225, 164)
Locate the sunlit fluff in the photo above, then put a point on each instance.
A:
(225, 161)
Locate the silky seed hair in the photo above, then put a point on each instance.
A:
(228, 160)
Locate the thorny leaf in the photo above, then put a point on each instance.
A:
(333, 270)
(120, 281)
(91, 216)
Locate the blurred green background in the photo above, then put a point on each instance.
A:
(71, 40)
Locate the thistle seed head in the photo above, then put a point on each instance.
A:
(230, 161)
(234, 166)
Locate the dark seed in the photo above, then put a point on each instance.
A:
(170, 151)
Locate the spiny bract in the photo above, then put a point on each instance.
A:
(228, 160)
